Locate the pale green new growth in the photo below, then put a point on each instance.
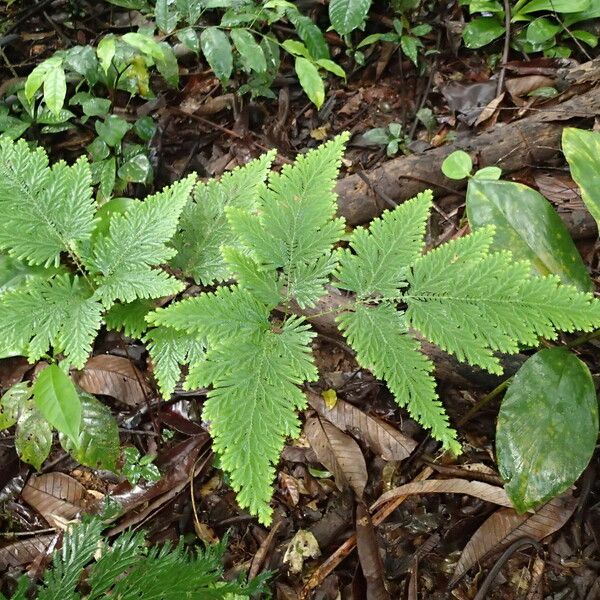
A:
(472, 304)
(122, 259)
(295, 227)
(378, 257)
(57, 313)
(43, 211)
(203, 227)
(170, 350)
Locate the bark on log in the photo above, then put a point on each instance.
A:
(533, 139)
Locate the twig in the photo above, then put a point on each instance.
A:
(506, 47)
(377, 191)
(485, 400)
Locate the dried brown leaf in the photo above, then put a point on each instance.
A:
(479, 489)
(56, 496)
(22, 552)
(505, 526)
(382, 438)
(368, 553)
(113, 376)
(521, 86)
(560, 189)
(339, 453)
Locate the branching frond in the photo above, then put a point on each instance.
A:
(58, 313)
(252, 406)
(129, 318)
(379, 257)
(43, 211)
(203, 227)
(123, 259)
(295, 225)
(380, 337)
(474, 304)
(169, 350)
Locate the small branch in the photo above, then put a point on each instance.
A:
(506, 50)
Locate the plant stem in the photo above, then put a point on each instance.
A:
(485, 400)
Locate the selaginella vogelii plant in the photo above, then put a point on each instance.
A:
(270, 242)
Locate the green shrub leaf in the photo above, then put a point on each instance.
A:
(547, 427)
(57, 400)
(251, 54)
(481, 31)
(33, 438)
(217, 50)
(528, 226)
(582, 151)
(347, 15)
(98, 441)
(310, 80)
(457, 165)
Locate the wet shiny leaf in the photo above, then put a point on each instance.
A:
(528, 226)
(547, 427)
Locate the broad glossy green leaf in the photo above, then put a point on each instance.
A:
(217, 50)
(559, 6)
(189, 38)
(166, 17)
(488, 173)
(98, 443)
(168, 66)
(136, 170)
(57, 400)
(482, 31)
(541, 30)
(309, 33)
(251, 54)
(106, 50)
(310, 80)
(547, 427)
(12, 404)
(410, 47)
(528, 226)
(55, 88)
(347, 15)
(33, 438)
(582, 151)
(112, 129)
(145, 44)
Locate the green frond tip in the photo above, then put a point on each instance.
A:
(253, 405)
(43, 211)
(383, 345)
(225, 313)
(378, 258)
(169, 350)
(124, 261)
(474, 304)
(129, 318)
(295, 227)
(59, 313)
(203, 227)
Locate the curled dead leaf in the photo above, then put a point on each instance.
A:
(303, 545)
(383, 439)
(339, 453)
(484, 491)
(113, 376)
(505, 526)
(22, 552)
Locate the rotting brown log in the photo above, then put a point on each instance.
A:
(533, 139)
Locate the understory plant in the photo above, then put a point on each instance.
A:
(128, 569)
(269, 246)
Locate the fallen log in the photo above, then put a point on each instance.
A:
(533, 139)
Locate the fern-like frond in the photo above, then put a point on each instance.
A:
(379, 257)
(79, 545)
(295, 224)
(490, 303)
(382, 343)
(170, 349)
(129, 318)
(263, 283)
(215, 316)
(252, 406)
(123, 259)
(57, 313)
(203, 227)
(43, 211)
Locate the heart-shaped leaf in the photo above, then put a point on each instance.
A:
(547, 427)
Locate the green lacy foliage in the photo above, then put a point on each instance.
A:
(271, 240)
(279, 249)
(47, 213)
(129, 570)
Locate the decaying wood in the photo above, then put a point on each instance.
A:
(532, 140)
